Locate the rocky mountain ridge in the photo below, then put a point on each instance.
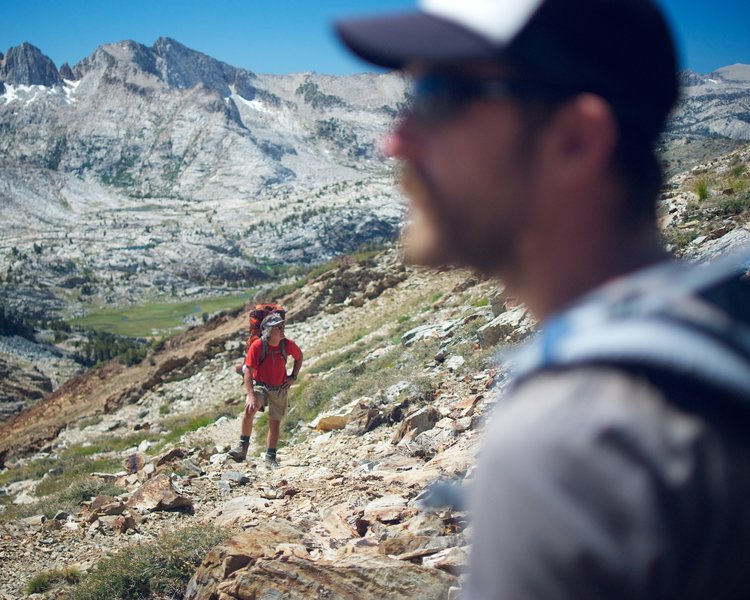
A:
(158, 170)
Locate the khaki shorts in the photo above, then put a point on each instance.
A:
(274, 400)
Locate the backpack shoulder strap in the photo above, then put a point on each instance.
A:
(689, 334)
(264, 351)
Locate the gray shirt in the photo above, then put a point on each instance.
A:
(591, 485)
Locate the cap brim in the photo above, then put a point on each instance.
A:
(397, 40)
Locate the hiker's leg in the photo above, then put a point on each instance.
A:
(247, 422)
(274, 428)
(239, 452)
(248, 414)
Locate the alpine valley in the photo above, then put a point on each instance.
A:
(159, 171)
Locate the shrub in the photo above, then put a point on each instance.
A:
(678, 239)
(45, 581)
(735, 204)
(161, 568)
(701, 189)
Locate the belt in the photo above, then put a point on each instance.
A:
(270, 388)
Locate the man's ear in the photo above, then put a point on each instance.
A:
(582, 140)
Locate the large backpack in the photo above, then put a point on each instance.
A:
(260, 312)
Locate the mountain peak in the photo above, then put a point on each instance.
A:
(183, 67)
(26, 65)
(736, 73)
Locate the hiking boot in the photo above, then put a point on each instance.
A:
(238, 453)
(270, 461)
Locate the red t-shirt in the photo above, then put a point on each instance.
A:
(272, 370)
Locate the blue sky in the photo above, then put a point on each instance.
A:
(282, 36)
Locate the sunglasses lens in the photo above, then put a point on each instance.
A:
(438, 98)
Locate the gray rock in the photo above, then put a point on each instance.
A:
(510, 326)
(417, 422)
(235, 478)
(159, 494)
(424, 332)
(26, 65)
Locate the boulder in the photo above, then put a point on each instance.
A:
(453, 560)
(337, 419)
(239, 552)
(171, 456)
(35, 521)
(102, 506)
(511, 326)
(240, 510)
(417, 422)
(465, 407)
(427, 332)
(159, 493)
(365, 416)
(455, 362)
(291, 577)
(235, 478)
(329, 422)
(388, 509)
(497, 302)
(409, 547)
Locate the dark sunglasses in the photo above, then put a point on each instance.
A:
(437, 98)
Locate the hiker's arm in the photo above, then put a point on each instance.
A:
(250, 400)
(295, 371)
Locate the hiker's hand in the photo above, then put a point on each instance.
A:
(251, 404)
(289, 381)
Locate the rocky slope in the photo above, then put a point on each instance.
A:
(403, 363)
(339, 493)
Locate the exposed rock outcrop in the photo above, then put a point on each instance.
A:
(26, 65)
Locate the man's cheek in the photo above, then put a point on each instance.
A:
(425, 241)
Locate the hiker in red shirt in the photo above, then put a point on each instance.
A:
(267, 382)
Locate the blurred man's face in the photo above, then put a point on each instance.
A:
(468, 170)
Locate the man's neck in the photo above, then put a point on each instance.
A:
(561, 278)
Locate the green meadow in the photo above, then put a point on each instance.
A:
(155, 318)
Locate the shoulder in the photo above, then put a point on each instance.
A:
(589, 399)
(605, 418)
(579, 463)
(291, 345)
(600, 437)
